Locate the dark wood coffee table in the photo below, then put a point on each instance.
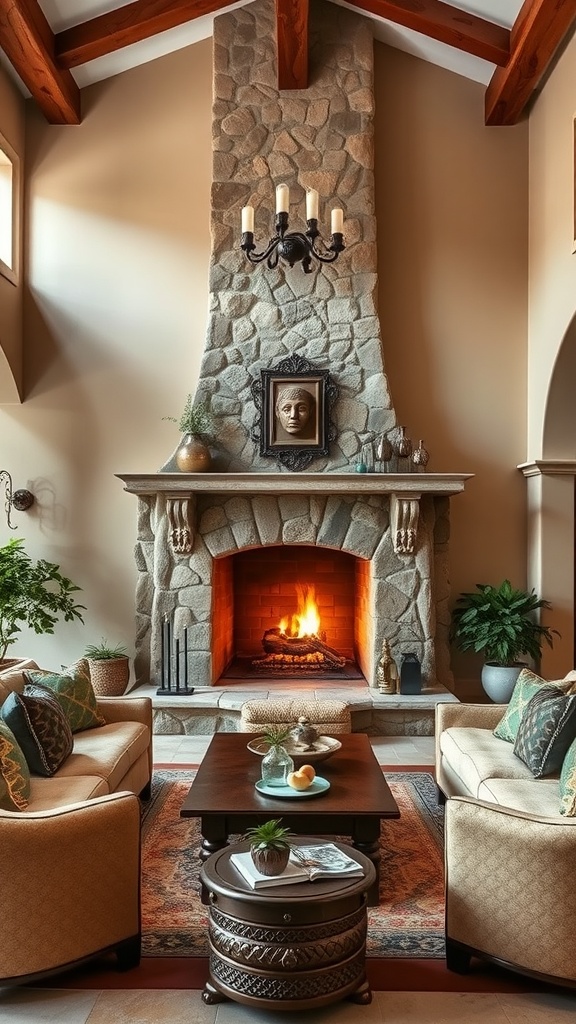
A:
(224, 797)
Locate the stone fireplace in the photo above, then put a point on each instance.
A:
(380, 538)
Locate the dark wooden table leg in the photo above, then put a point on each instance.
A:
(214, 837)
(366, 839)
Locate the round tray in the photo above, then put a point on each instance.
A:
(325, 747)
(318, 787)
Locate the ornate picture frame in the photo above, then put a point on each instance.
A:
(294, 402)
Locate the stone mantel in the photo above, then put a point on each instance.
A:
(405, 489)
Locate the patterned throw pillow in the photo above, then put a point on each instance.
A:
(40, 727)
(14, 772)
(527, 684)
(568, 783)
(73, 688)
(546, 731)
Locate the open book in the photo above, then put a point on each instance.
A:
(306, 864)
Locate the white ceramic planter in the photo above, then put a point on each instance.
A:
(498, 681)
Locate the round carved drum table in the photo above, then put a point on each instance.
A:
(286, 947)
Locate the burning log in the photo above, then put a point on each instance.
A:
(297, 652)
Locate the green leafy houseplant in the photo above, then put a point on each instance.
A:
(269, 846)
(195, 419)
(499, 622)
(35, 594)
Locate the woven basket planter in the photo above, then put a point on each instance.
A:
(109, 676)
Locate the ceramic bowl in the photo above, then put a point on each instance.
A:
(325, 746)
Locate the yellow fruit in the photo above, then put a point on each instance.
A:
(308, 770)
(298, 780)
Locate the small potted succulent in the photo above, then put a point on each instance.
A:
(269, 847)
(192, 454)
(109, 668)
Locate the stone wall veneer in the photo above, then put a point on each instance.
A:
(321, 137)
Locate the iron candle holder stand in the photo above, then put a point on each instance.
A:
(294, 246)
(172, 651)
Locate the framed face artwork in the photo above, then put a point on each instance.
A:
(294, 401)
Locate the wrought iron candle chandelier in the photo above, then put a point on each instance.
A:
(294, 246)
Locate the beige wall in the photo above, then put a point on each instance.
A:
(552, 264)
(115, 321)
(117, 310)
(452, 241)
(12, 127)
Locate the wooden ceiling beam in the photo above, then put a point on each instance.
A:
(28, 42)
(126, 25)
(537, 34)
(292, 43)
(445, 23)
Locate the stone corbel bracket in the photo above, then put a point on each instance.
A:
(181, 512)
(404, 514)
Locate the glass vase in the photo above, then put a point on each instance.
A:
(276, 765)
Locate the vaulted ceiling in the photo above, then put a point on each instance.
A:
(56, 46)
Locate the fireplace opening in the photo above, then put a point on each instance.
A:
(288, 611)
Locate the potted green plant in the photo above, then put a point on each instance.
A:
(109, 668)
(499, 621)
(33, 594)
(193, 454)
(269, 846)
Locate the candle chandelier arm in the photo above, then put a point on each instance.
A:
(21, 499)
(294, 246)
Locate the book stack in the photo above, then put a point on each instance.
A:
(306, 864)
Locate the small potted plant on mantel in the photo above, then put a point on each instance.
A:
(193, 454)
(499, 621)
(109, 668)
(269, 847)
(33, 594)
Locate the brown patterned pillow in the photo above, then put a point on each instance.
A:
(14, 772)
(40, 727)
(546, 731)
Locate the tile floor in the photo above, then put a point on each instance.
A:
(68, 1006)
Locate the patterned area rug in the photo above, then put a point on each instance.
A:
(408, 923)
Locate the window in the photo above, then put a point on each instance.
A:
(9, 210)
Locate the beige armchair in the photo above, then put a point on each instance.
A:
(510, 893)
(69, 886)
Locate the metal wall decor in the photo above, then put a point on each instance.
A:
(20, 500)
(294, 401)
(294, 246)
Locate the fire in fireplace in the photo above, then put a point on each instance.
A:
(299, 646)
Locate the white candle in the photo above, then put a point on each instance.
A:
(337, 221)
(282, 199)
(311, 204)
(247, 219)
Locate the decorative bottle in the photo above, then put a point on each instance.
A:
(420, 457)
(276, 765)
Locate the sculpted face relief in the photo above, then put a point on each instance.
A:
(294, 408)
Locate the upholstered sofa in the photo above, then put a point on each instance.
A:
(70, 878)
(509, 852)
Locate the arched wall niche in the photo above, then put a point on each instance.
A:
(551, 511)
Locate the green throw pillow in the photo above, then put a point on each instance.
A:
(40, 726)
(73, 688)
(568, 783)
(527, 684)
(14, 773)
(546, 731)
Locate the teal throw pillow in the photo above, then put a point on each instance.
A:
(41, 728)
(73, 689)
(527, 684)
(568, 783)
(546, 731)
(14, 772)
